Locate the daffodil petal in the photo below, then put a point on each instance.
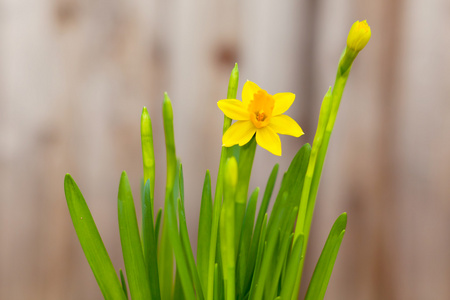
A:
(234, 109)
(269, 140)
(282, 103)
(283, 124)
(239, 133)
(249, 89)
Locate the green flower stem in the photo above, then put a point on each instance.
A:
(327, 118)
(338, 90)
(227, 231)
(232, 92)
(323, 120)
(346, 61)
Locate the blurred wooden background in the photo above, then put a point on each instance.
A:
(74, 76)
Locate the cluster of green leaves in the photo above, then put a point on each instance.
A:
(242, 253)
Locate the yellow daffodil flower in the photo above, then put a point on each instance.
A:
(260, 113)
(359, 35)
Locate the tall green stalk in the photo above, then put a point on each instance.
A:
(327, 118)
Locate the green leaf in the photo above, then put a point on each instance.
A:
(124, 283)
(131, 243)
(245, 240)
(91, 242)
(293, 264)
(261, 251)
(291, 184)
(151, 248)
(287, 200)
(259, 221)
(188, 254)
(216, 282)
(182, 264)
(322, 273)
(246, 157)
(204, 232)
(286, 237)
(264, 273)
(170, 226)
(157, 224)
(181, 182)
(178, 289)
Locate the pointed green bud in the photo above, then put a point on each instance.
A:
(148, 154)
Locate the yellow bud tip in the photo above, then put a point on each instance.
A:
(359, 35)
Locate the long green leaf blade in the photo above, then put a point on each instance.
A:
(124, 283)
(288, 198)
(286, 237)
(204, 232)
(157, 224)
(289, 284)
(244, 244)
(322, 273)
(188, 254)
(246, 156)
(259, 221)
(170, 225)
(131, 243)
(91, 242)
(260, 254)
(151, 249)
(178, 289)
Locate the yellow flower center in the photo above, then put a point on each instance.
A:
(260, 108)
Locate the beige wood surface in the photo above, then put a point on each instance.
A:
(74, 76)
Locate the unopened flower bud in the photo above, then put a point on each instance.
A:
(359, 36)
